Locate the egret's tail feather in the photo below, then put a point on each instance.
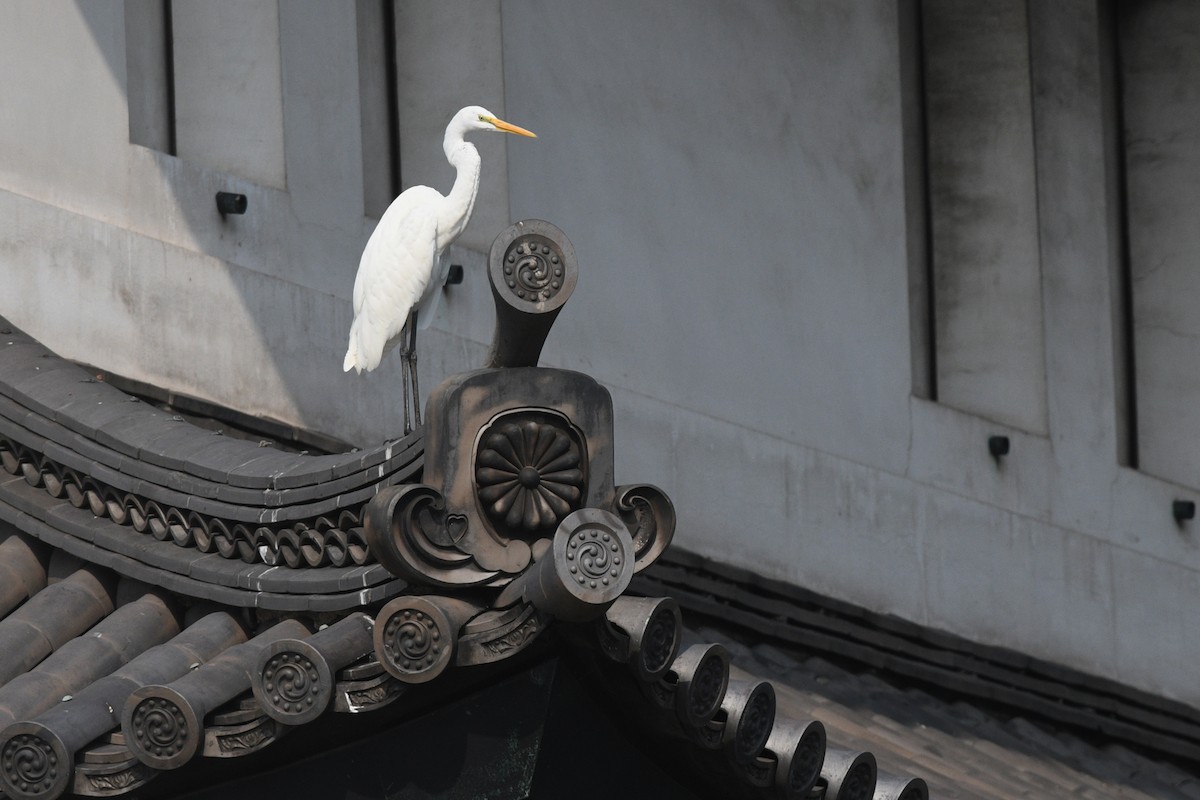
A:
(352, 360)
(364, 352)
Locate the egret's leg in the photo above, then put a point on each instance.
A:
(412, 350)
(405, 372)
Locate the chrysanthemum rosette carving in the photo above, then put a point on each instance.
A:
(529, 471)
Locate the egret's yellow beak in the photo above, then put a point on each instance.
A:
(508, 127)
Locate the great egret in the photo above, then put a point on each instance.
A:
(399, 277)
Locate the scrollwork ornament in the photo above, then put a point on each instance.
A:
(495, 636)
(410, 532)
(514, 640)
(246, 741)
(373, 697)
(650, 516)
(116, 782)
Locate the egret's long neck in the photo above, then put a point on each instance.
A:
(463, 156)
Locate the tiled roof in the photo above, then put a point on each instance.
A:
(212, 516)
(116, 681)
(104, 680)
(961, 749)
(170, 595)
(1053, 694)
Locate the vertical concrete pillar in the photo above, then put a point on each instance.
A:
(148, 75)
(1077, 197)
(983, 211)
(376, 108)
(1159, 47)
(228, 87)
(439, 72)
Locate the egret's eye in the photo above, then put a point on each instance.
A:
(482, 118)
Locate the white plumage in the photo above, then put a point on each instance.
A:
(399, 272)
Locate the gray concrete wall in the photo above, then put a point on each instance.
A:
(737, 183)
(746, 300)
(114, 253)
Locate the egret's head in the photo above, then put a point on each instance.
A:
(477, 118)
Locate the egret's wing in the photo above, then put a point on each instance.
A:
(406, 230)
(428, 307)
(396, 267)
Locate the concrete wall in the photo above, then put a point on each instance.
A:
(739, 188)
(114, 253)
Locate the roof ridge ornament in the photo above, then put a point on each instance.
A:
(533, 271)
(517, 503)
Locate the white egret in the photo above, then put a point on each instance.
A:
(399, 277)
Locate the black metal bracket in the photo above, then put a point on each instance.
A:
(231, 203)
(998, 446)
